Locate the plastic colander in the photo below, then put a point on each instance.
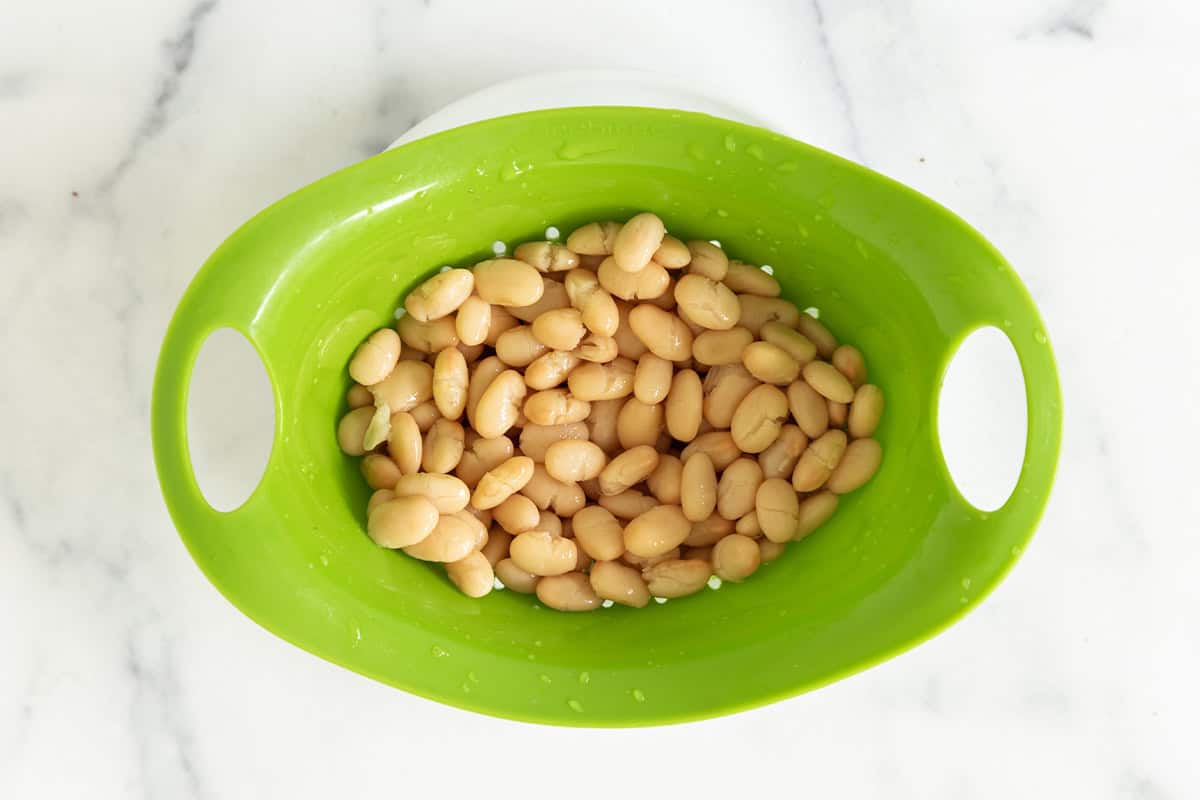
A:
(891, 271)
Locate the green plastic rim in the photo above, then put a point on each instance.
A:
(890, 270)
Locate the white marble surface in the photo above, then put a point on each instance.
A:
(135, 136)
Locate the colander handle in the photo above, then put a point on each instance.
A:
(1043, 435)
(198, 316)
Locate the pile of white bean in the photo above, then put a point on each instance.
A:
(617, 418)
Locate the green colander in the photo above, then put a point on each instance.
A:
(896, 274)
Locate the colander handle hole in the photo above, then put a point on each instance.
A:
(983, 418)
(230, 419)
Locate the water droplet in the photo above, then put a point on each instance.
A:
(444, 268)
(466, 687)
(963, 600)
(966, 583)
(722, 212)
(759, 232)
(497, 584)
(1008, 323)
(767, 268)
(552, 233)
(660, 600)
(499, 248)
(607, 604)
(787, 166)
(639, 696)
(545, 678)
(730, 144)
(696, 151)
(1039, 336)
(511, 170)
(585, 678)
(1015, 550)
(825, 200)
(399, 312)
(472, 677)
(574, 150)
(861, 247)
(575, 706)
(531, 657)
(754, 151)
(813, 312)
(714, 582)
(438, 652)
(324, 560)
(714, 242)
(537, 642)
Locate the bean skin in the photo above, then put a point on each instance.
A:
(857, 466)
(817, 463)
(639, 423)
(542, 553)
(570, 592)
(472, 575)
(818, 334)
(637, 242)
(672, 253)
(735, 558)
(814, 512)
(700, 479)
(746, 279)
(614, 581)
(599, 533)
(514, 578)
(547, 256)
(737, 487)
(677, 577)
(829, 383)
(707, 260)
(759, 418)
(666, 481)
(473, 320)
(594, 239)
(402, 522)
(685, 405)
(440, 296)
(808, 408)
(663, 333)
(652, 379)
(777, 509)
(865, 411)
(508, 282)
(376, 357)
(656, 531)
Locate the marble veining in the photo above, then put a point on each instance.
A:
(178, 50)
(136, 137)
(854, 147)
